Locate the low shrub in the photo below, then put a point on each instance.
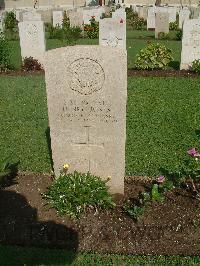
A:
(72, 193)
(196, 66)
(70, 35)
(10, 21)
(31, 64)
(179, 34)
(137, 23)
(154, 56)
(163, 35)
(173, 25)
(5, 53)
(92, 29)
(133, 20)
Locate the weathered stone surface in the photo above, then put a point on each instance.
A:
(184, 15)
(151, 18)
(88, 13)
(161, 23)
(190, 43)
(75, 18)
(57, 18)
(86, 95)
(31, 15)
(172, 10)
(112, 32)
(32, 39)
(119, 14)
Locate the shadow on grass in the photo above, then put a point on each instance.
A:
(175, 65)
(19, 225)
(48, 138)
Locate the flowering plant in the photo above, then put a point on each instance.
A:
(92, 29)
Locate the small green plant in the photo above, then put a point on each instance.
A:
(31, 64)
(134, 211)
(72, 193)
(173, 25)
(92, 29)
(196, 66)
(10, 21)
(155, 193)
(7, 171)
(5, 54)
(154, 56)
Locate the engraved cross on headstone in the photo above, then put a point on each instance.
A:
(88, 144)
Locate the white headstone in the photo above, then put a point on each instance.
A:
(151, 18)
(31, 15)
(57, 18)
(112, 32)
(119, 14)
(184, 15)
(32, 40)
(161, 23)
(190, 43)
(86, 95)
(75, 18)
(88, 13)
(172, 13)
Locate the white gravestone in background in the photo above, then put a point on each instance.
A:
(88, 13)
(190, 43)
(151, 18)
(119, 14)
(86, 95)
(112, 32)
(172, 13)
(76, 19)
(31, 16)
(32, 40)
(57, 18)
(184, 15)
(161, 23)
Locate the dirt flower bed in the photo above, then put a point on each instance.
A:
(171, 227)
(131, 73)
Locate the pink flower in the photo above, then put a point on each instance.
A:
(193, 152)
(160, 179)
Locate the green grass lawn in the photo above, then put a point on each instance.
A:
(135, 42)
(162, 116)
(16, 256)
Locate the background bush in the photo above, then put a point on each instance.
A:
(5, 54)
(173, 25)
(196, 66)
(10, 21)
(134, 21)
(31, 64)
(154, 56)
(92, 29)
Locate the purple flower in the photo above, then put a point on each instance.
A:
(193, 152)
(160, 179)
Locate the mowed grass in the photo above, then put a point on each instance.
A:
(17, 256)
(135, 42)
(162, 117)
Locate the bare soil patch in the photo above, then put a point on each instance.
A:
(171, 228)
